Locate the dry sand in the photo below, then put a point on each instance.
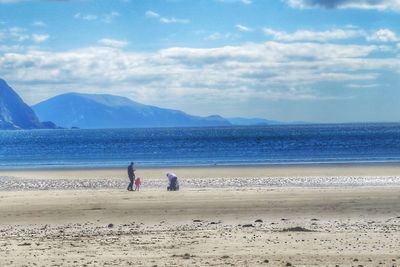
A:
(270, 226)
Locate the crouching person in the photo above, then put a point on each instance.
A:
(173, 184)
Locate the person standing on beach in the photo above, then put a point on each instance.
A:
(131, 175)
(138, 183)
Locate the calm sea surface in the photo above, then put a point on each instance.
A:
(301, 144)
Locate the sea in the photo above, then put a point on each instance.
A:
(210, 146)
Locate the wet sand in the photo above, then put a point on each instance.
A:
(370, 169)
(229, 226)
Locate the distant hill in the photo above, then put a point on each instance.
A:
(252, 121)
(109, 111)
(14, 113)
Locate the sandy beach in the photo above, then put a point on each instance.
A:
(214, 222)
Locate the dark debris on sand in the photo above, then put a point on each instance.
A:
(296, 229)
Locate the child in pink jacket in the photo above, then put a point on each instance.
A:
(137, 184)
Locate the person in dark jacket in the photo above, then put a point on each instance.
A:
(131, 175)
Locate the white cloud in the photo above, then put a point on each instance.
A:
(89, 17)
(10, 48)
(347, 4)
(319, 36)
(364, 86)
(173, 20)
(261, 71)
(39, 23)
(214, 36)
(246, 2)
(85, 17)
(151, 14)
(106, 18)
(383, 35)
(39, 38)
(243, 28)
(17, 34)
(113, 43)
(165, 20)
(17, 37)
(219, 36)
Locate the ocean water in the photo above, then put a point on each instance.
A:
(287, 144)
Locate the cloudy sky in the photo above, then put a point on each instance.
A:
(290, 60)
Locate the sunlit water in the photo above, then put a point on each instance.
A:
(299, 144)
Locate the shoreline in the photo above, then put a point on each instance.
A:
(234, 177)
(228, 165)
(249, 171)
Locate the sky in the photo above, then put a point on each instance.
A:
(290, 60)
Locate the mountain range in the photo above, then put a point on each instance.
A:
(91, 111)
(109, 111)
(15, 113)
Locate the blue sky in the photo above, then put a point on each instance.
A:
(290, 60)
